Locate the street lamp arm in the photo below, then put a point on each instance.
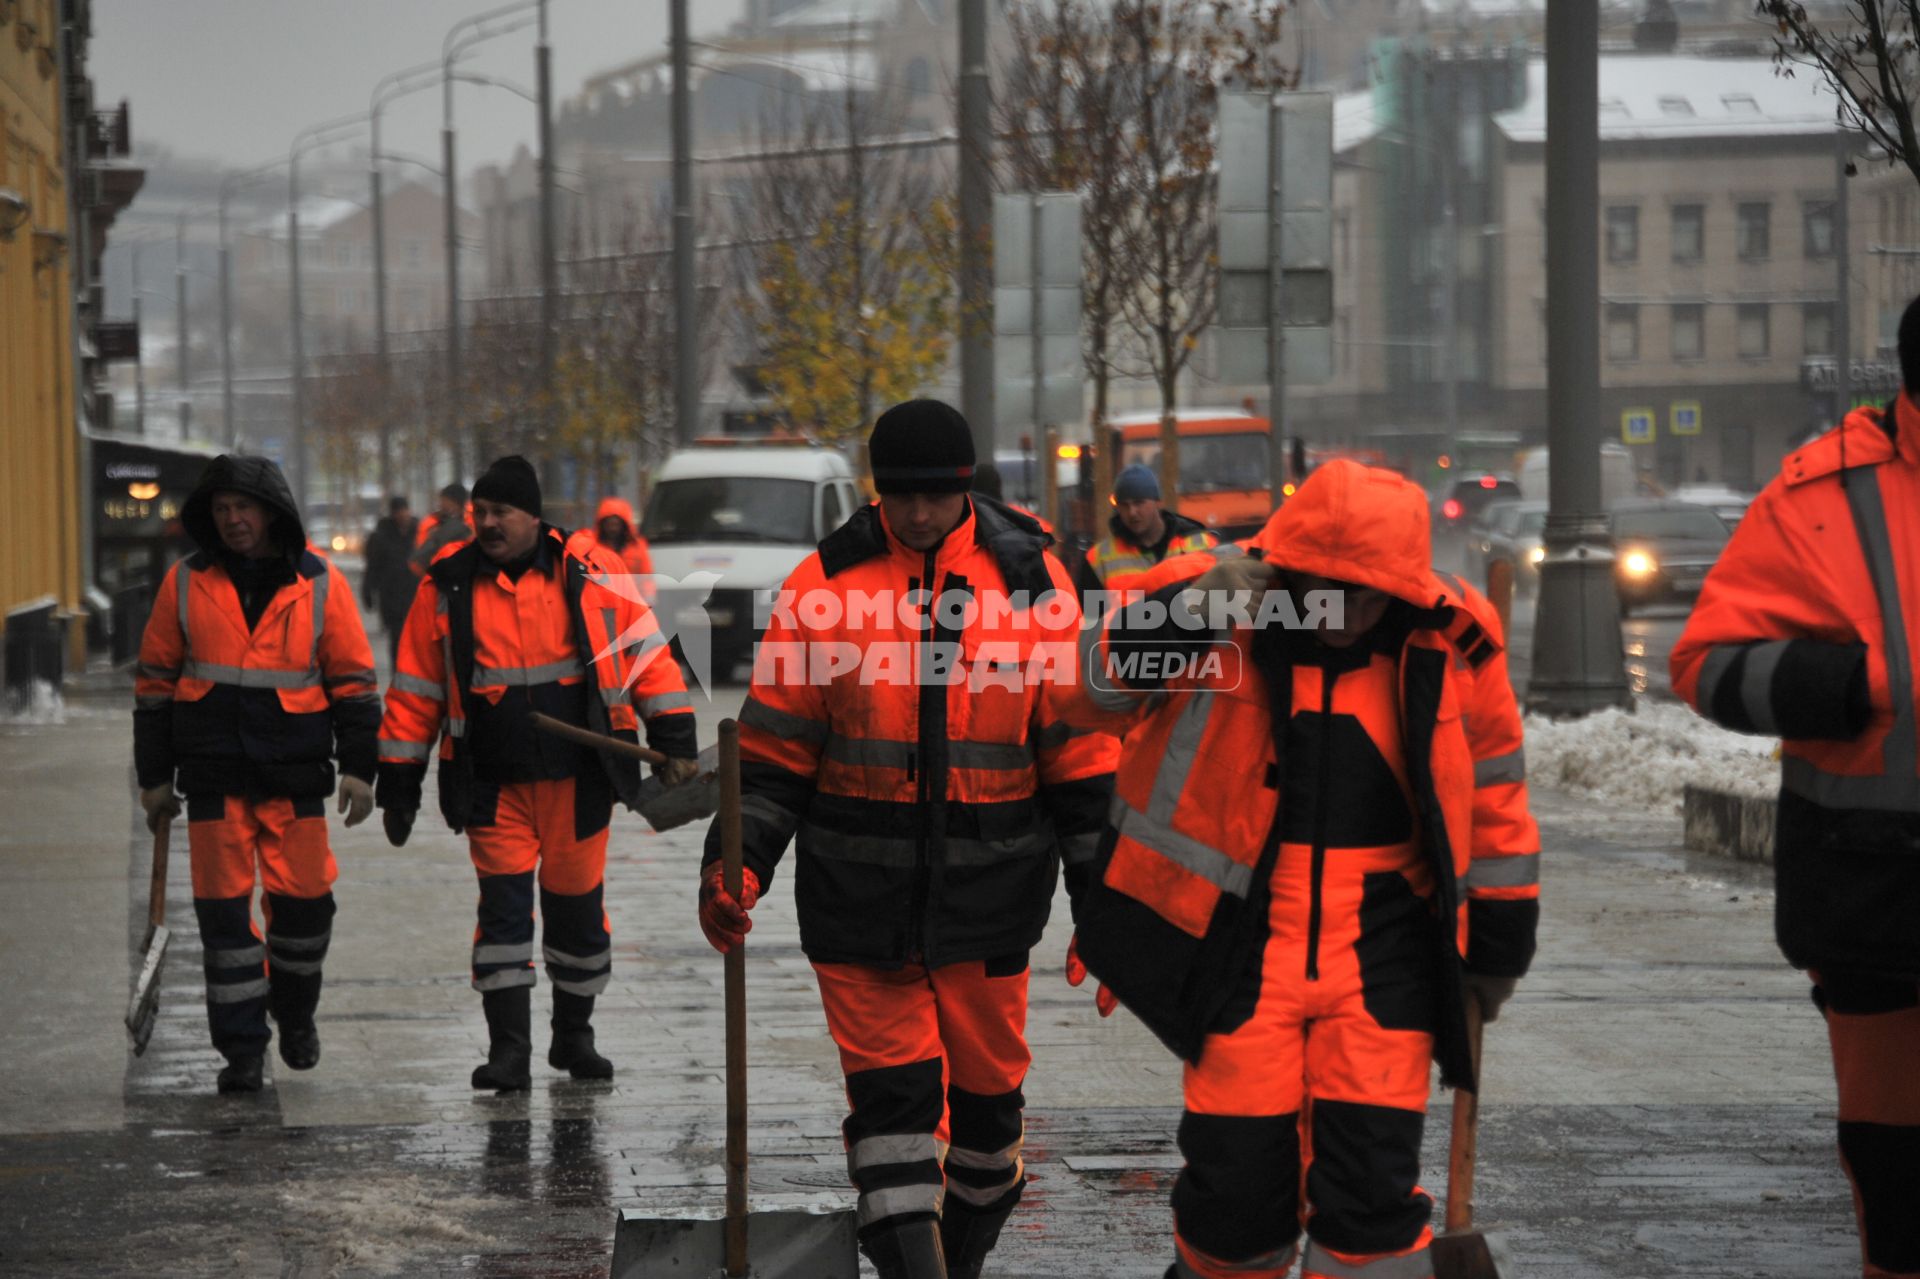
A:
(395, 157)
(400, 83)
(472, 77)
(471, 31)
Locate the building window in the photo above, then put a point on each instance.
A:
(1816, 218)
(1623, 333)
(1689, 331)
(1816, 328)
(1623, 233)
(1689, 232)
(1755, 339)
(1750, 233)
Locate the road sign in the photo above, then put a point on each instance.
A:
(1683, 417)
(1636, 426)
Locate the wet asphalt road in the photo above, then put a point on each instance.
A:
(1657, 1100)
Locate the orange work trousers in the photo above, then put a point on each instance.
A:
(934, 1059)
(1873, 1026)
(1324, 1085)
(537, 829)
(233, 843)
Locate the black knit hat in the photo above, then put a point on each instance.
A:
(922, 446)
(511, 480)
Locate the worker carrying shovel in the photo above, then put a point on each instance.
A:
(1320, 851)
(254, 675)
(902, 728)
(514, 623)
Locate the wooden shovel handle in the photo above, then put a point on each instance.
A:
(157, 885)
(595, 741)
(1466, 1134)
(731, 863)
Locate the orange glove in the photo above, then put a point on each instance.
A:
(1103, 999)
(723, 919)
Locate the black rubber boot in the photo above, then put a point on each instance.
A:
(572, 1048)
(968, 1236)
(911, 1251)
(242, 1074)
(299, 1044)
(509, 1040)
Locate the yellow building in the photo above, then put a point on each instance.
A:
(40, 489)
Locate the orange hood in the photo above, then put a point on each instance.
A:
(1357, 524)
(615, 506)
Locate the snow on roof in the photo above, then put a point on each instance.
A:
(821, 68)
(318, 214)
(1667, 96)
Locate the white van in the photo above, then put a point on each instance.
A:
(748, 513)
(1617, 476)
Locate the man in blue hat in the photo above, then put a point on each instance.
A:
(1141, 534)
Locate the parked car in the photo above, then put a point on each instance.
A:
(1663, 549)
(1518, 539)
(1460, 503)
(1480, 536)
(1730, 504)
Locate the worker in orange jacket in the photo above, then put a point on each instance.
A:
(1805, 631)
(514, 622)
(254, 674)
(916, 753)
(1320, 850)
(450, 523)
(616, 530)
(1141, 534)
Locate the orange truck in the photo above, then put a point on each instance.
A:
(1223, 465)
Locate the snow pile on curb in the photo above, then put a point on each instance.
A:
(41, 704)
(1643, 759)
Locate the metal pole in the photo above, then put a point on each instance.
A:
(976, 228)
(686, 374)
(1450, 297)
(1578, 665)
(139, 355)
(180, 357)
(381, 350)
(227, 423)
(297, 453)
(549, 259)
(1276, 309)
(1035, 265)
(450, 236)
(1842, 284)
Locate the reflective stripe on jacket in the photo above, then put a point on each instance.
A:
(1117, 557)
(254, 709)
(930, 815)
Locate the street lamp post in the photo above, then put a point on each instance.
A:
(462, 36)
(181, 358)
(306, 140)
(396, 85)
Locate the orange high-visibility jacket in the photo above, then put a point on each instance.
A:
(1115, 561)
(261, 709)
(1196, 825)
(932, 785)
(1806, 629)
(571, 632)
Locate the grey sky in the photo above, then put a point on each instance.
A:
(235, 80)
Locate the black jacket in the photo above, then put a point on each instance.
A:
(389, 583)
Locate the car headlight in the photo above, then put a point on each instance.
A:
(1536, 554)
(339, 542)
(1638, 564)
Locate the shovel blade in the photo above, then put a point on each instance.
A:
(143, 1009)
(1463, 1256)
(666, 807)
(780, 1245)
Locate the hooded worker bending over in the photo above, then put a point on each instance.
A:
(513, 622)
(934, 793)
(254, 674)
(1320, 850)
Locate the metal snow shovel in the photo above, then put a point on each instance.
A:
(784, 1245)
(143, 1010)
(664, 806)
(1462, 1253)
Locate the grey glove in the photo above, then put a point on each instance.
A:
(160, 804)
(1490, 992)
(356, 798)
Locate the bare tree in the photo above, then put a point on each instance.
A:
(1179, 54)
(1061, 108)
(1869, 52)
(848, 273)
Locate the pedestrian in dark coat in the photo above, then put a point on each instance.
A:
(389, 583)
